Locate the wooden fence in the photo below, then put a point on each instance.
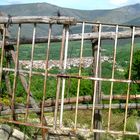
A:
(97, 102)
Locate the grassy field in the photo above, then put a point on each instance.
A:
(121, 66)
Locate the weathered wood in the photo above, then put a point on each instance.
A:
(25, 85)
(96, 70)
(81, 99)
(7, 78)
(74, 37)
(121, 97)
(51, 102)
(38, 19)
(72, 107)
(8, 84)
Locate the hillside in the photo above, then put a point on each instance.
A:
(119, 15)
(45, 9)
(135, 21)
(128, 14)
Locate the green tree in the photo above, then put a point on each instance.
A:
(135, 72)
(136, 66)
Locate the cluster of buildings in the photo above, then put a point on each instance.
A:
(71, 62)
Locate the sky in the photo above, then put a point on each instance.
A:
(78, 4)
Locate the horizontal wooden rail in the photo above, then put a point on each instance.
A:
(72, 107)
(121, 97)
(38, 19)
(73, 37)
(82, 99)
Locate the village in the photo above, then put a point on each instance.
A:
(71, 62)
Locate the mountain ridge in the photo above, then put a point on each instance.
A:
(124, 15)
(118, 15)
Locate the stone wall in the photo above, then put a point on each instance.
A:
(8, 133)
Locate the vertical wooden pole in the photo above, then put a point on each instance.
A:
(7, 78)
(59, 79)
(97, 114)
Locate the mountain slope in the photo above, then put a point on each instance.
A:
(135, 21)
(45, 9)
(119, 15)
(128, 14)
(122, 15)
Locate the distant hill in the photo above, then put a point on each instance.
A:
(135, 21)
(45, 9)
(119, 15)
(127, 14)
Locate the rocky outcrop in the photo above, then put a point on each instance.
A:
(8, 133)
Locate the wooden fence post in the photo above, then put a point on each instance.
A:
(97, 113)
